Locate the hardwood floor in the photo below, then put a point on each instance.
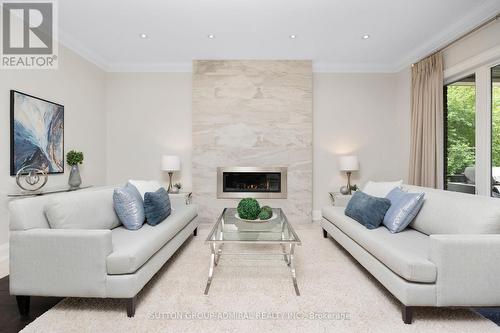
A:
(10, 320)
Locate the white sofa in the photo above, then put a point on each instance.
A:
(449, 256)
(106, 263)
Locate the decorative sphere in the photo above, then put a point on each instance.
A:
(344, 190)
(265, 214)
(248, 209)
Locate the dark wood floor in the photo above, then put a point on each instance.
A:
(9, 315)
(10, 320)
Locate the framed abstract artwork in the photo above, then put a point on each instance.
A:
(36, 134)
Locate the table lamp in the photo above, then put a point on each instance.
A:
(170, 163)
(349, 164)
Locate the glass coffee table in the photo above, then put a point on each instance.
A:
(276, 231)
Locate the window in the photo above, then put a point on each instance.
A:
(495, 131)
(460, 135)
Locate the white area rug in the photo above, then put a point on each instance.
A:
(331, 282)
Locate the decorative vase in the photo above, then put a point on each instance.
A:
(74, 177)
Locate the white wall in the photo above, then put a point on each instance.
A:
(79, 86)
(362, 114)
(148, 115)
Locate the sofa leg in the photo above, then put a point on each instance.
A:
(23, 304)
(325, 234)
(407, 313)
(131, 302)
(195, 232)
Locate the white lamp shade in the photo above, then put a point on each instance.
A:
(349, 163)
(170, 163)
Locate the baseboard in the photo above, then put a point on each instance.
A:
(4, 260)
(316, 215)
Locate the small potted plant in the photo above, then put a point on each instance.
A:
(177, 187)
(73, 158)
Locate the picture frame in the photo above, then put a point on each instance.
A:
(36, 134)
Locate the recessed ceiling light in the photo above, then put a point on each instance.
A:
(143, 36)
(365, 36)
(211, 36)
(293, 36)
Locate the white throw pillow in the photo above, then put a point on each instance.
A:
(144, 186)
(82, 210)
(381, 189)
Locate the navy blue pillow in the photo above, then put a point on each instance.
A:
(367, 210)
(156, 206)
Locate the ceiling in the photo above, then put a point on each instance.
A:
(328, 31)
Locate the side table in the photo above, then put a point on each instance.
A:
(186, 195)
(339, 199)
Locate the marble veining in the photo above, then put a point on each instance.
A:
(253, 113)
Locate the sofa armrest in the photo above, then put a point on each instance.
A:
(59, 262)
(468, 267)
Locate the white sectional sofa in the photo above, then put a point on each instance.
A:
(106, 263)
(449, 256)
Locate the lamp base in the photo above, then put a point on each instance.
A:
(349, 182)
(169, 190)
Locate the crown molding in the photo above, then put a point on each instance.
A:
(332, 67)
(165, 67)
(72, 44)
(462, 26)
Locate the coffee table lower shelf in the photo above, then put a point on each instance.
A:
(287, 252)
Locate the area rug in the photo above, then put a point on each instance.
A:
(338, 295)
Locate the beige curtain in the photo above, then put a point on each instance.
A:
(426, 152)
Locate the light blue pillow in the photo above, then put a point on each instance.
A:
(367, 210)
(156, 206)
(404, 208)
(129, 206)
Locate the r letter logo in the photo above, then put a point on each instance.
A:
(28, 35)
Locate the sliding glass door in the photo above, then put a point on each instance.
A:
(495, 131)
(460, 135)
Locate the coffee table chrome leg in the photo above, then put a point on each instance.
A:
(292, 269)
(218, 253)
(285, 254)
(211, 269)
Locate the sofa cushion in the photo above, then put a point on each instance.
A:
(404, 253)
(381, 189)
(404, 207)
(133, 248)
(446, 212)
(82, 210)
(129, 206)
(367, 210)
(156, 206)
(144, 186)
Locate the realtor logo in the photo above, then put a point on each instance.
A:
(28, 35)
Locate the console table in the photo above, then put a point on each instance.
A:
(22, 194)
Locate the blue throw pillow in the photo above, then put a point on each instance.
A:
(129, 206)
(156, 206)
(404, 207)
(367, 210)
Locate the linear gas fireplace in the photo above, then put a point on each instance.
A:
(253, 182)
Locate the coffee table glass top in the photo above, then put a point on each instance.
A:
(230, 228)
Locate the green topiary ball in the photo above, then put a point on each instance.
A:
(267, 208)
(248, 209)
(265, 214)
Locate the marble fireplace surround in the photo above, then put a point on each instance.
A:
(253, 113)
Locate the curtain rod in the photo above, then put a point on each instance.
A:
(477, 28)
